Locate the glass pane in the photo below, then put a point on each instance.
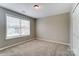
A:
(25, 27)
(13, 26)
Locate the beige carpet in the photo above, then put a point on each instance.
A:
(37, 48)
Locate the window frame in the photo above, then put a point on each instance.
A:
(20, 35)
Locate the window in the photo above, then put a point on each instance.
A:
(16, 27)
(25, 26)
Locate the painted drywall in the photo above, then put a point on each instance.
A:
(3, 41)
(54, 28)
(74, 37)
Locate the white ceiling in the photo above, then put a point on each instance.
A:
(46, 9)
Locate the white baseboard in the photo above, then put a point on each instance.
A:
(33, 39)
(53, 41)
(16, 44)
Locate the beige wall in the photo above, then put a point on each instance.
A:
(3, 41)
(54, 28)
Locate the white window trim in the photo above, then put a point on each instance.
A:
(17, 36)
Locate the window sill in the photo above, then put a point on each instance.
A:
(16, 37)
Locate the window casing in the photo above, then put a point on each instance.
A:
(16, 27)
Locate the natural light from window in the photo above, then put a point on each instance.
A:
(16, 27)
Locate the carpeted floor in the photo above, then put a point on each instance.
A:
(37, 48)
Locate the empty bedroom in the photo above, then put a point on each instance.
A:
(39, 29)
